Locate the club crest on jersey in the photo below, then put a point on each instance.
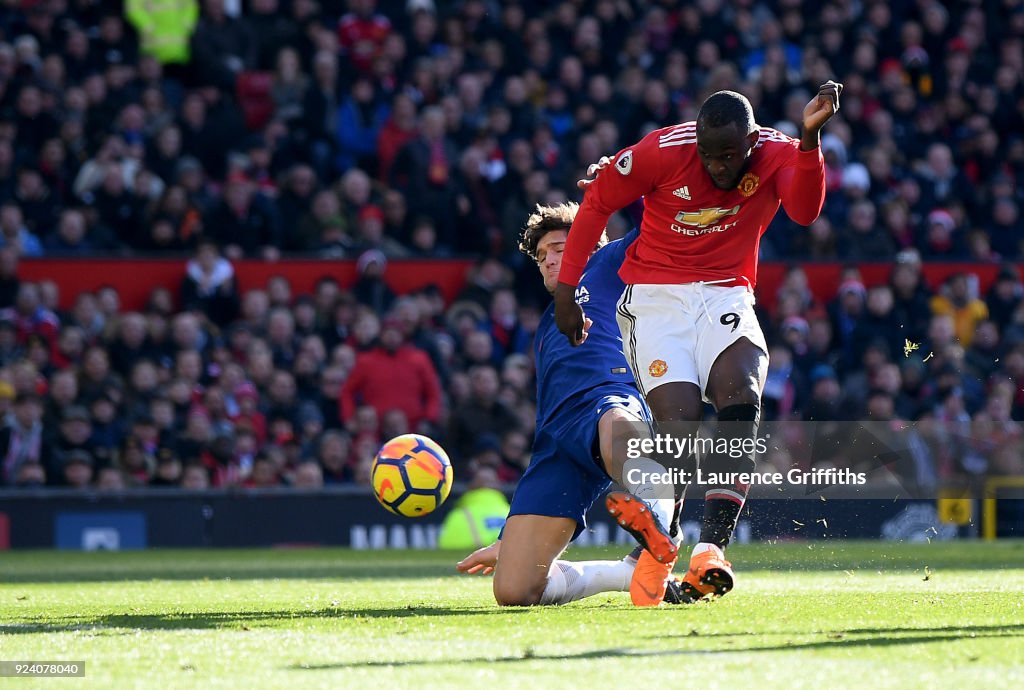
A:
(683, 192)
(625, 163)
(748, 185)
(705, 216)
(582, 295)
(657, 368)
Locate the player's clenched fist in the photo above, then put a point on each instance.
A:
(819, 111)
(569, 316)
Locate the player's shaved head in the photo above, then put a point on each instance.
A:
(725, 108)
(726, 134)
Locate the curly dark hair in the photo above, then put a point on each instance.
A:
(545, 219)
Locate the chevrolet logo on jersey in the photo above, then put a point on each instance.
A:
(705, 216)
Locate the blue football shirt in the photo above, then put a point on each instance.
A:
(565, 372)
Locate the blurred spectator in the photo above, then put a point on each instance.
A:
(110, 479)
(195, 477)
(393, 375)
(482, 413)
(362, 33)
(222, 47)
(398, 130)
(244, 223)
(21, 439)
(289, 85)
(209, 285)
(270, 29)
(14, 234)
(478, 515)
(70, 239)
(866, 240)
(30, 475)
(77, 469)
(164, 30)
(846, 312)
(320, 105)
(361, 118)
(425, 172)
(957, 299)
(941, 239)
(1005, 296)
(370, 288)
(307, 475)
(30, 317)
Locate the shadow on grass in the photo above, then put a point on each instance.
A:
(327, 571)
(44, 566)
(129, 623)
(1012, 630)
(835, 642)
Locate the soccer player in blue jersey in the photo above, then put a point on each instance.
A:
(588, 407)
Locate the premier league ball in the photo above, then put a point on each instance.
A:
(411, 475)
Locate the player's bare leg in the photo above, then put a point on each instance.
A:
(734, 388)
(678, 401)
(527, 570)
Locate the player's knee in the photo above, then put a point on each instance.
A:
(676, 402)
(745, 393)
(517, 593)
(737, 374)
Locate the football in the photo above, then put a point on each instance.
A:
(411, 475)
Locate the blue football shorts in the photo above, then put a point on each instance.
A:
(566, 474)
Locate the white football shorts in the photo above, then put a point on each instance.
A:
(673, 333)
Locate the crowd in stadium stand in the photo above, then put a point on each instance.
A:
(380, 130)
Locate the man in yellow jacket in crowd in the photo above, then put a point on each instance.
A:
(477, 517)
(165, 27)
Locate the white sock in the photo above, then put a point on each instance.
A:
(660, 497)
(705, 546)
(572, 580)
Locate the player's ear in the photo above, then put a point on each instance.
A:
(752, 138)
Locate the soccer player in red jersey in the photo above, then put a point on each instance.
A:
(689, 331)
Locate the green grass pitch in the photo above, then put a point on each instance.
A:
(818, 615)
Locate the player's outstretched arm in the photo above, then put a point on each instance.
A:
(631, 177)
(481, 561)
(801, 185)
(819, 111)
(571, 312)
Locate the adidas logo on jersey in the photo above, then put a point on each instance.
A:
(683, 192)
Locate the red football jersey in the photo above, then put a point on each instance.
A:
(691, 230)
(362, 37)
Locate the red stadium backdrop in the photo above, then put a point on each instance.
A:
(135, 279)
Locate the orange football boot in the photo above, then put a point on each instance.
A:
(636, 517)
(650, 580)
(653, 568)
(709, 573)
